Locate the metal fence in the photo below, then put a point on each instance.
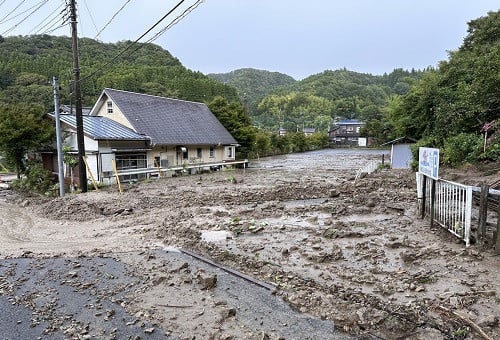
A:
(448, 204)
(368, 169)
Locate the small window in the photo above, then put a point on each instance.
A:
(110, 106)
(184, 153)
(212, 152)
(230, 152)
(198, 153)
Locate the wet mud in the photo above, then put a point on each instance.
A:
(342, 255)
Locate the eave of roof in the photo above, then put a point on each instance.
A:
(102, 128)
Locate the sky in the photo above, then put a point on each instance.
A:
(295, 37)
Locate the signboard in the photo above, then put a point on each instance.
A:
(428, 162)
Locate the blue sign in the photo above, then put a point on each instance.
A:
(428, 162)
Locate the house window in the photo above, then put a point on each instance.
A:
(110, 106)
(198, 153)
(230, 152)
(131, 161)
(212, 152)
(184, 153)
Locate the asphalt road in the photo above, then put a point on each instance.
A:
(59, 298)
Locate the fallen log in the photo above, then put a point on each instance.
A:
(468, 322)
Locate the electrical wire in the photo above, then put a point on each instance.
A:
(176, 20)
(119, 54)
(15, 8)
(26, 17)
(48, 21)
(112, 18)
(21, 13)
(91, 16)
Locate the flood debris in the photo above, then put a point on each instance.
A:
(353, 254)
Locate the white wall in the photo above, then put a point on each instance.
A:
(401, 156)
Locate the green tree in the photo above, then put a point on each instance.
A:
(460, 96)
(234, 119)
(22, 130)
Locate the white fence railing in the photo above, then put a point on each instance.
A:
(451, 206)
(369, 168)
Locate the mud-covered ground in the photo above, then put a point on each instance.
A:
(339, 251)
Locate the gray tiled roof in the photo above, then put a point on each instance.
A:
(102, 128)
(170, 121)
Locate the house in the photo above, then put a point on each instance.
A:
(345, 132)
(401, 156)
(144, 134)
(308, 131)
(103, 138)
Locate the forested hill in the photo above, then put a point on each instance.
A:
(319, 99)
(28, 63)
(252, 85)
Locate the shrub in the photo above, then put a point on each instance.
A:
(492, 152)
(464, 147)
(35, 178)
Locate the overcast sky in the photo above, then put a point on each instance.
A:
(295, 37)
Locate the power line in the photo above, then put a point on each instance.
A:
(15, 8)
(134, 42)
(19, 14)
(41, 3)
(47, 24)
(90, 14)
(176, 20)
(112, 18)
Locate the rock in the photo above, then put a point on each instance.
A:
(334, 193)
(408, 256)
(488, 321)
(370, 203)
(149, 330)
(227, 313)
(207, 281)
(330, 233)
(454, 301)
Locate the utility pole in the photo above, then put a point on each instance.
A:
(82, 170)
(60, 164)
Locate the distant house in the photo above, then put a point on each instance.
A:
(345, 132)
(143, 134)
(308, 131)
(401, 156)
